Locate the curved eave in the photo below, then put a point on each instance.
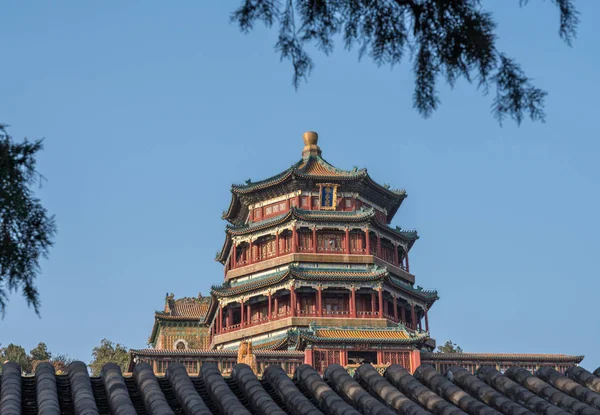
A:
(301, 170)
(233, 209)
(263, 184)
(408, 236)
(222, 255)
(397, 196)
(429, 296)
(228, 291)
(302, 275)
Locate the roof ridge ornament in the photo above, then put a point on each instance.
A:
(311, 148)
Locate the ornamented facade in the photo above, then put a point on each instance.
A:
(312, 263)
(314, 273)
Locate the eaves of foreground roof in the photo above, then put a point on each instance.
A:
(456, 392)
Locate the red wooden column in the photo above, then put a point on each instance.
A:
(277, 243)
(395, 308)
(396, 260)
(298, 202)
(276, 306)
(293, 300)
(413, 315)
(249, 312)
(426, 322)
(353, 302)
(373, 304)
(378, 246)
(403, 314)
(220, 320)
(367, 242)
(270, 310)
(242, 313)
(294, 234)
(319, 301)
(380, 302)
(229, 317)
(407, 266)
(250, 256)
(314, 240)
(347, 240)
(234, 263)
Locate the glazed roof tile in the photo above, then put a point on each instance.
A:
(312, 167)
(511, 357)
(488, 391)
(186, 309)
(396, 335)
(300, 273)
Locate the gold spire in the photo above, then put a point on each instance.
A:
(310, 144)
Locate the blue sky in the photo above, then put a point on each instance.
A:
(151, 110)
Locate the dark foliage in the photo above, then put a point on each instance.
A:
(449, 347)
(26, 230)
(451, 39)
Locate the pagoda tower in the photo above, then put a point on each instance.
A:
(312, 264)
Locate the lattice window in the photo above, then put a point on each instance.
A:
(324, 358)
(329, 242)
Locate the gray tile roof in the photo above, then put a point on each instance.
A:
(457, 392)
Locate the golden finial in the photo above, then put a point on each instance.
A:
(311, 148)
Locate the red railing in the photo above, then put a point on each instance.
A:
(313, 313)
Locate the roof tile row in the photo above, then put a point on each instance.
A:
(457, 392)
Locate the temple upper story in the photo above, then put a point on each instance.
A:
(338, 190)
(314, 208)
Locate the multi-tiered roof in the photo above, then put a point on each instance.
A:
(311, 251)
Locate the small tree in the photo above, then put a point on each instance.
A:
(108, 352)
(17, 354)
(450, 347)
(40, 352)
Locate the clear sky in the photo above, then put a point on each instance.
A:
(151, 110)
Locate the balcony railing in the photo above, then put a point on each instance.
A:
(329, 249)
(312, 313)
(367, 314)
(336, 312)
(307, 313)
(323, 250)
